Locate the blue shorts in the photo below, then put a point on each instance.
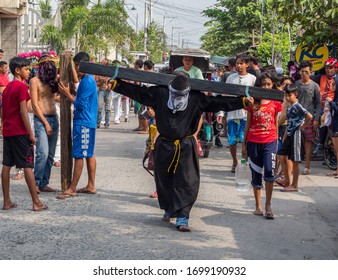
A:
(236, 131)
(262, 160)
(83, 141)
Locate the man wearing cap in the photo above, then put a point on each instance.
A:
(178, 110)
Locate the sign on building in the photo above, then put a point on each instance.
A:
(317, 54)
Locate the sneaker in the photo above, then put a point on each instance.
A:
(117, 122)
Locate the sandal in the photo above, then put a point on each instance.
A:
(258, 212)
(306, 171)
(281, 182)
(334, 173)
(233, 169)
(19, 175)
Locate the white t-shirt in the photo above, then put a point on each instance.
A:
(247, 80)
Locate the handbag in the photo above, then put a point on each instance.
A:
(151, 164)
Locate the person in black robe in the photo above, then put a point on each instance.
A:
(178, 110)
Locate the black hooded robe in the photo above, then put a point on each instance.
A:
(177, 174)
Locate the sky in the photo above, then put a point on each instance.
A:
(182, 18)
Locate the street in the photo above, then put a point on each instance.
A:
(121, 222)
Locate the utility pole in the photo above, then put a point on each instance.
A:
(172, 35)
(164, 37)
(150, 12)
(145, 27)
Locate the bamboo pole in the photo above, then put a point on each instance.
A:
(66, 77)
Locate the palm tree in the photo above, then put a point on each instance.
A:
(51, 35)
(45, 8)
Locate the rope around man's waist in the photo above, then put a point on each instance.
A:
(177, 153)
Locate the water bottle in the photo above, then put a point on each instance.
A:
(208, 132)
(242, 176)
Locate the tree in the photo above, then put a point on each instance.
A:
(231, 26)
(155, 42)
(51, 35)
(45, 8)
(317, 20)
(97, 28)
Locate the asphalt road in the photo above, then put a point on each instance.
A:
(121, 222)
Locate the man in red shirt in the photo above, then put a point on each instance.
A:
(18, 135)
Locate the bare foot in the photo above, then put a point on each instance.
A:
(9, 206)
(87, 190)
(40, 207)
(48, 189)
(67, 194)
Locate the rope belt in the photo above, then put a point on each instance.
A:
(177, 153)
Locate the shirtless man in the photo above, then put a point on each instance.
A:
(43, 90)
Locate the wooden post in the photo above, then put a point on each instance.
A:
(66, 77)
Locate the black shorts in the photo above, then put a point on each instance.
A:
(18, 151)
(294, 146)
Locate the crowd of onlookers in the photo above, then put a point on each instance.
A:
(274, 136)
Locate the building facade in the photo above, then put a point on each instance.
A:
(10, 13)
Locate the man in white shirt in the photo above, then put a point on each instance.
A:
(237, 119)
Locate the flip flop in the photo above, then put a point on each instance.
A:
(65, 196)
(332, 174)
(85, 190)
(12, 206)
(258, 213)
(45, 207)
(281, 183)
(289, 189)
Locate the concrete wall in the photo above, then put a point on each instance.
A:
(9, 37)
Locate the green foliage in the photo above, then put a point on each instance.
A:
(155, 42)
(51, 35)
(264, 51)
(230, 27)
(45, 8)
(98, 28)
(232, 24)
(316, 19)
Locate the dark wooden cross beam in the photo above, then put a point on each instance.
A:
(164, 79)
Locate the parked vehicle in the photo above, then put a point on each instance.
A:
(202, 61)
